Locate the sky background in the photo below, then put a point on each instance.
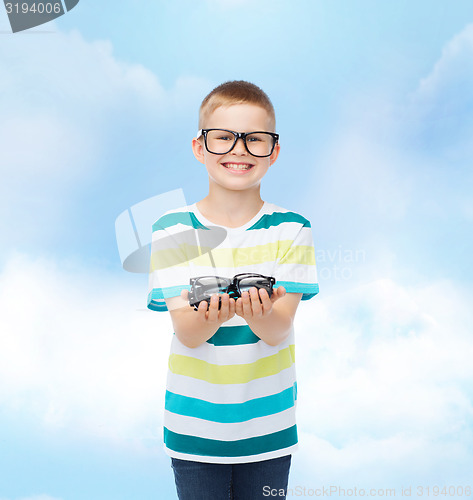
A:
(374, 105)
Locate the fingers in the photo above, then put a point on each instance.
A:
(227, 308)
(213, 309)
(278, 293)
(246, 304)
(202, 310)
(266, 302)
(213, 313)
(254, 303)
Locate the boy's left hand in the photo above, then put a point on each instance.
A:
(257, 305)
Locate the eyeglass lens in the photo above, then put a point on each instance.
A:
(206, 287)
(221, 142)
(247, 283)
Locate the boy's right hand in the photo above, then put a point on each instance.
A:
(212, 313)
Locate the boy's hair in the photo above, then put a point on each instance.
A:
(235, 92)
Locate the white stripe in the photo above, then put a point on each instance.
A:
(247, 239)
(230, 432)
(180, 274)
(231, 393)
(300, 273)
(224, 355)
(235, 321)
(233, 460)
(171, 276)
(230, 354)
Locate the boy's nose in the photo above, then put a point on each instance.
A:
(239, 147)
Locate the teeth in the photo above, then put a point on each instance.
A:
(236, 166)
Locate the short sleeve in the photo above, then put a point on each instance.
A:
(296, 268)
(169, 260)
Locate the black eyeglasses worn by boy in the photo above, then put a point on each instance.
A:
(220, 141)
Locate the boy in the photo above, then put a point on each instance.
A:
(229, 423)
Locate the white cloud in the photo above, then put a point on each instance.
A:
(384, 365)
(363, 187)
(58, 92)
(396, 175)
(385, 384)
(439, 113)
(364, 174)
(384, 370)
(69, 107)
(451, 78)
(79, 352)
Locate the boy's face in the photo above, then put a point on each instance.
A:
(223, 169)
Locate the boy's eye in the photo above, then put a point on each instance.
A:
(252, 138)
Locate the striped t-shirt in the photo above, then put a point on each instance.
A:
(232, 399)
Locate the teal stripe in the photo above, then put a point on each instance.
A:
(233, 335)
(276, 218)
(308, 290)
(192, 445)
(156, 306)
(157, 295)
(185, 218)
(229, 413)
(168, 291)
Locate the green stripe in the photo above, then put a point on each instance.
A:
(242, 256)
(243, 447)
(232, 374)
(299, 254)
(179, 255)
(227, 413)
(283, 250)
(276, 218)
(233, 335)
(185, 218)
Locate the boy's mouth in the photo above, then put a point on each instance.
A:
(238, 166)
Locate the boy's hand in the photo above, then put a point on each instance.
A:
(212, 313)
(254, 305)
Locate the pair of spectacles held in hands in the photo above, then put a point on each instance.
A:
(204, 287)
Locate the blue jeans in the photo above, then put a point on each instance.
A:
(248, 481)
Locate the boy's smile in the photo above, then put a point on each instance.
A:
(238, 167)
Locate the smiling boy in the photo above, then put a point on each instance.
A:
(231, 393)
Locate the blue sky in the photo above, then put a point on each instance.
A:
(374, 106)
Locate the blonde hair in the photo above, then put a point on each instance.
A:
(235, 92)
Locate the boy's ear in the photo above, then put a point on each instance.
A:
(198, 150)
(274, 154)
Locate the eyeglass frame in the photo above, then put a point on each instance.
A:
(233, 287)
(238, 135)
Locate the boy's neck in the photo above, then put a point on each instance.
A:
(230, 208)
